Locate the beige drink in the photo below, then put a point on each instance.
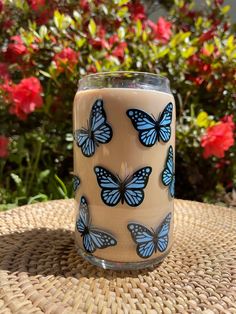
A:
(107, 206)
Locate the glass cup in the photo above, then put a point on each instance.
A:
(124, 145)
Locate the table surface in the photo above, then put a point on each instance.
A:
(40, 271)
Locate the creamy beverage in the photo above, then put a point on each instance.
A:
(124, 163)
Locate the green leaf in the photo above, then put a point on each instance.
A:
(37, 198)
(77, 16)
(44, 73)
(121, 32)
(122, 12)
(80, 41)
(225, 9)
(92, 27)
(138, 28)
(43, 175)
(186, 53)
(57, 19)
(144, 36)
(122, 2)
(43, 31)
(16, 179)
(61, 188)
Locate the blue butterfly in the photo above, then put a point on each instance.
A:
(93, 238)
(149, 241)
(98, 131)
(168, 175)
(152, 130)
(76, 183)
(130, 190)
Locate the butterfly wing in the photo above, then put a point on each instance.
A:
(83, 141)
(144, 238)
(104, 134)
(145, 125)
(100, 128)
(168, 178)
(163, 234)
(83, 222)
(83, 225)
(164, 123)
(76, 183)
(134, 193)
(110, 186)
(102, 239)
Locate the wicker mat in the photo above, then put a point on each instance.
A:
(40, 271)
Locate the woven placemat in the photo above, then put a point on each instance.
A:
(40, 271)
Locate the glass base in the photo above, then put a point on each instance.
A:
(105, 264)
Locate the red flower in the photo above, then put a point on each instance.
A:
(4, 142)
(119, 50)
(84, 5)
(67, 58)
(16, 49)
(113, 39)
(36, 5)
(162, 29)
(99, 43)
(4, 74)
(26, 97)
(91, 69)
(218, 139)
(229, 119)
(137, 11)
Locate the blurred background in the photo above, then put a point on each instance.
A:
(47, 45)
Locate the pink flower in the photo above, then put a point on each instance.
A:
(66, 58)
(218, 139)
(161, 30)
(25, 97)
(16, 49)
(4, 142)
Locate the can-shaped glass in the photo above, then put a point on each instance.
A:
(124, 173)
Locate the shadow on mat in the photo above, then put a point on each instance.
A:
(50, 252)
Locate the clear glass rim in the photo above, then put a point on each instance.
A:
(125, 79)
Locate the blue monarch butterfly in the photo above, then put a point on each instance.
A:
(97, 132)
(151, 130)
(168, 174)
(76, 183)
(149, 241)
(93, 238)
(115, 190)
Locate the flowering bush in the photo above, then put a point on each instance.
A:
(46, 48)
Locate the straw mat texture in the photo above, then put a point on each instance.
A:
(40, 271)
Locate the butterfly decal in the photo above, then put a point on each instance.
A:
(168, 174)
(149, 241)
(75, 182)
(98, 131)
(93, 238)
(151, 130)
(115, 190)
